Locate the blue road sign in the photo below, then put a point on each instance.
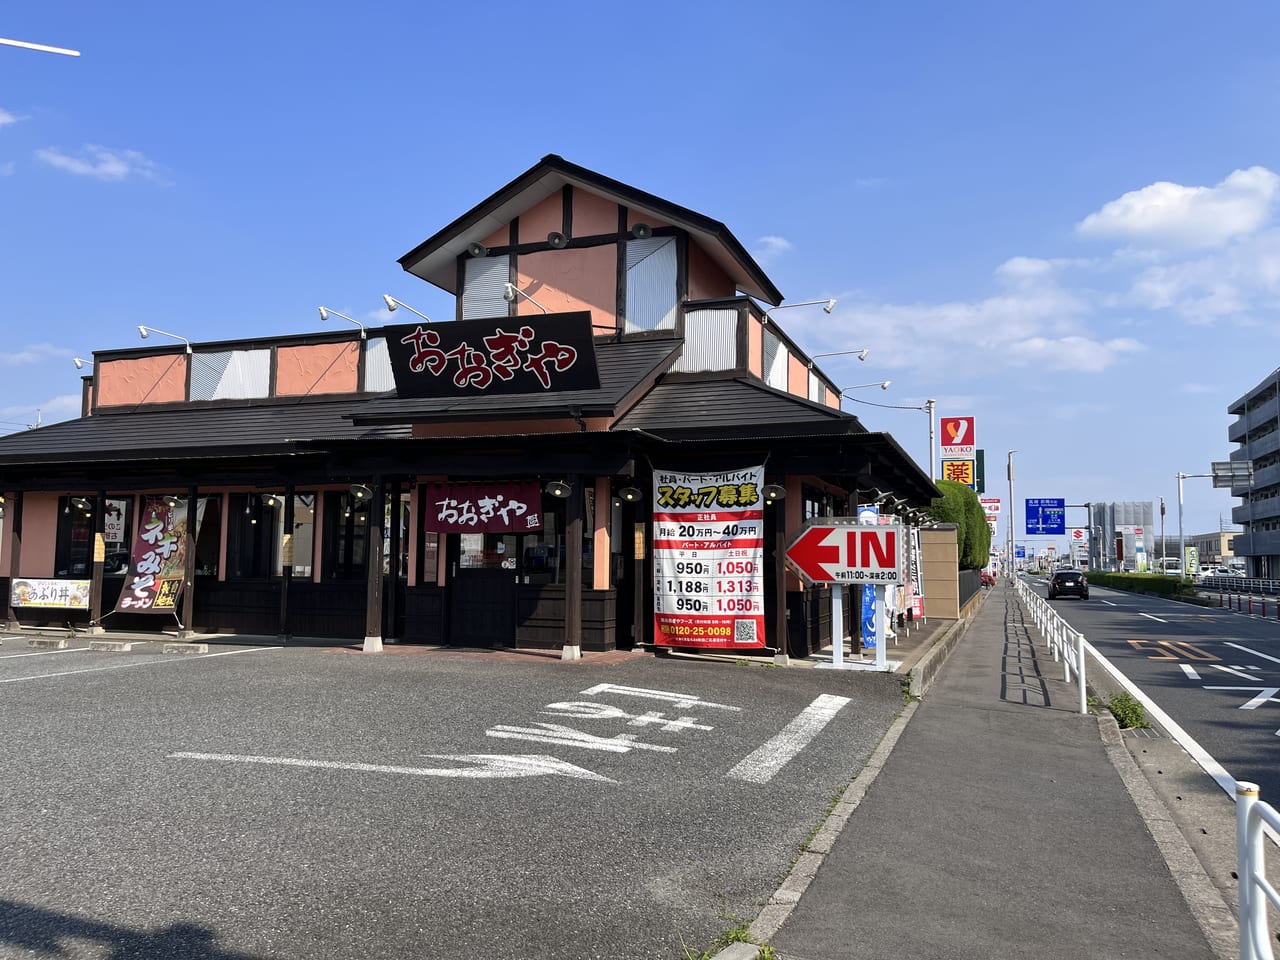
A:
(1020, 552)
(1046, 515)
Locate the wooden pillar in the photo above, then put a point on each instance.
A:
(189, 565)
(13, 516)
(572, 649)
(97, 558)
(642, 616)
(286, 560)
(373, 558)
(780, 633)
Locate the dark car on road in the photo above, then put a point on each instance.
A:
(1068, 583)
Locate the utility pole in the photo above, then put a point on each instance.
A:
(1013, 517)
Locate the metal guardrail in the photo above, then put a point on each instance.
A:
(1252, 816)
(1065, 642)
(1239, 585)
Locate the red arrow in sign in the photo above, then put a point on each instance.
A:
(809, 553)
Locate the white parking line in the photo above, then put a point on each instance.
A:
(1152, 617)
(484, 765)
(1252, 651)
(770, 757)
(41, 653)
(1108, 603)
(125, 666)
(1189, 670)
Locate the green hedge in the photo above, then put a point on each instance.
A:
(1157, 583)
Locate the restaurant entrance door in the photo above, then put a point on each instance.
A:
(482, 589)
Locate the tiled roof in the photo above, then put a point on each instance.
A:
(729, 403)
(190, 431)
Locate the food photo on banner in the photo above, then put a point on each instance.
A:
(708, 553)
(158, 564)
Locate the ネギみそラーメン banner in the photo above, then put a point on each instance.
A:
(708, 558)
(158, 561)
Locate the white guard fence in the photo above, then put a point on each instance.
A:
(1252, 816)
(1066, 643)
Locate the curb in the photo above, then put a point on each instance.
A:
(802, 872)
(1215, 918)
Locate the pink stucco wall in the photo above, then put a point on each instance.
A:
(755, 347)
(160, 379)
(706, 279)
(542, 218)
(565, 280)
(797, 377)
(318, 368)
(593, 215)
(636, 216)
(499, 238)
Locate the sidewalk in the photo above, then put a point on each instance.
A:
(996, 828)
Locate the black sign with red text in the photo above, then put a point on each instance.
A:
(500, 355)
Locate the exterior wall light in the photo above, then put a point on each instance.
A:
(393, 304)
(630, 494)
(145, 333)
(559, 489)
(360, 492)
(326, 313)
(510, 291)
(773, 492)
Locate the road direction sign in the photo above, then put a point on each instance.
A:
(1046, 515)
(849, 553)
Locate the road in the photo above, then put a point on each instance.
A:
(304, 803)
(1216, 672)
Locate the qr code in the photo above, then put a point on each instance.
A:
(744, 631)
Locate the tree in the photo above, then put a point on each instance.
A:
(960, 505)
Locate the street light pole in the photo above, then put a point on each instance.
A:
(1182, 550)
(929, 406)
(1013, 516)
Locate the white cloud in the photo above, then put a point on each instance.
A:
(1165, 214)
(770, 248)
(1072, 352)
(7, 169)
(32, 354)
(102, 163)
(1235, 283)
(6, 117)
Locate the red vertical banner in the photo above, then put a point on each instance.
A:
(157, 564)
(708, 559)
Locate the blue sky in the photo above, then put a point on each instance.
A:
(1064, 222)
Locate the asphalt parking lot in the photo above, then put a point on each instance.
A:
(264, 803)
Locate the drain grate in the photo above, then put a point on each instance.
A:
(1142, 733)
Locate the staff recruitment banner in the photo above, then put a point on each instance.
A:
(157, 565)
(708, 559)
